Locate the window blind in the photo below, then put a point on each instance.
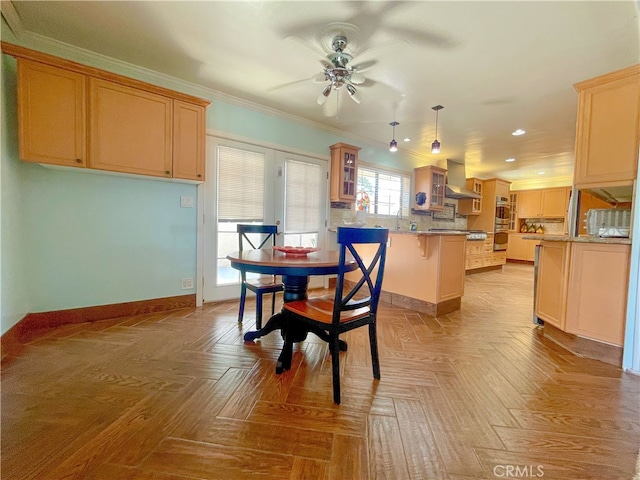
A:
(240, 185)
(302, 207)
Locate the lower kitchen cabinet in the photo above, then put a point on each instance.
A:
(553, 279)
(480, 254)
(521, 249)
(597, 300)
(582, 288)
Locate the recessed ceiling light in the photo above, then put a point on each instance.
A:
(510, 160)
(407, 139)
(541, 173)
(518, 132)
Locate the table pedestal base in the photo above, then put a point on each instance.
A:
(291, 333)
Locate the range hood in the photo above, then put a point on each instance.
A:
(456, 182)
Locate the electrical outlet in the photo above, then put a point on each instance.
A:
(187, 283)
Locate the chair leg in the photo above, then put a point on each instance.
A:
(334, 347)
(373, 343)
(243, 296)
(258, 311)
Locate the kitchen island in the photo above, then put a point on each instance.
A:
(425, 271)
(582, 293)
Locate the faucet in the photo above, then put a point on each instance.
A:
(398, 218)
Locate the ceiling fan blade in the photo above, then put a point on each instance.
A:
(330, 109)
(357, 78)
(319, 78)
(361, 67)
(286, 85)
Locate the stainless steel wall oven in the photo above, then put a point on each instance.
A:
(501, 225)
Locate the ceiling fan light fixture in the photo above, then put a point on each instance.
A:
(325, 93)
(353, 93)
(393, 145)
(435, 146)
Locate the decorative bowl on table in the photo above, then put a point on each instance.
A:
(295, 251)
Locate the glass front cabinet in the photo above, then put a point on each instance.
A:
(430, 185)
(344, 169)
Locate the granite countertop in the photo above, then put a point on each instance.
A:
(582, 239)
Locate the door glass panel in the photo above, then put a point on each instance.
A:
(303, 206)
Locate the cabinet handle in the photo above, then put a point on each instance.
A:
(78, 160)
(199, 175)
(167, 172)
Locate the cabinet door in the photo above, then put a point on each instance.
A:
(516, 248)
(51, 114)
(553, 277)
(188, 141)
(344, 169)
(554, 202)
(607, 128)
(529, 203)
(436, 198)
(130, 129)
(598, 293)
(452, 267)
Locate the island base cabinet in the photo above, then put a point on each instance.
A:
(423, 272)
(598, 295)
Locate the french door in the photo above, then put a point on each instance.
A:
(252, 184)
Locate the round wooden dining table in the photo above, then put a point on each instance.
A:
(295, 271)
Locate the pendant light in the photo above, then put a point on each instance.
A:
(393, 145)
(435, 146)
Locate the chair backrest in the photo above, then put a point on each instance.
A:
(264, 232)
(370, 259)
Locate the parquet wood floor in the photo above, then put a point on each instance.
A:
(476, 394)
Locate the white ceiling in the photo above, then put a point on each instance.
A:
(494, 66)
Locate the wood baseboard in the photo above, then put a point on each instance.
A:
(585, 347)
(42, 321)
(483, 269)
(433, 309)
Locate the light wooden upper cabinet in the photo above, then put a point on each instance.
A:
(51, 115)
(608, 126)
(189, 132)
(430, 180)
(74, 115)
(471, 206)
(344, 169)
(543, 203)
(130, 129)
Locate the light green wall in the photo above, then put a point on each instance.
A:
(14, 297)
(72, 239)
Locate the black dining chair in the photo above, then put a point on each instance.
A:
(354, 303)
(263, 236)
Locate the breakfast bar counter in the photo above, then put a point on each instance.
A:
(425, 271)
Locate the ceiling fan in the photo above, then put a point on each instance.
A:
(339, 73)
